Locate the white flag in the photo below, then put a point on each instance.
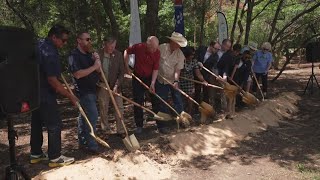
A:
(135, 30)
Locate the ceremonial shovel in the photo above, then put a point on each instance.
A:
(159, 116)
(131, 141)
(99, 140)
(184, 117)
(247, 97)
(204, 108)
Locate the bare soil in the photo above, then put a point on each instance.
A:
(278, 139)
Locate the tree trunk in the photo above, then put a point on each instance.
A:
(248, 21)
(107, 4)
(240, 24)
(97, 20)
(274, 22)
(152, 20)
(203, 14)
(235, 20)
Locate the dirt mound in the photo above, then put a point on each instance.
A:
(127, 167)
(155, 160)
(223, 134)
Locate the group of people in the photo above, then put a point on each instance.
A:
(159, 66)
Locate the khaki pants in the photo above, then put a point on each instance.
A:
(104, 101)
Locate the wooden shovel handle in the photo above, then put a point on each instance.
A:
(129, 100)
(199, 82)
(255, 78)
(242, 91)
(182, 92)
(113, 100)
(165, 102)
(85, 117)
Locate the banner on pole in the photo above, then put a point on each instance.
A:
(222, 27)
(178, 16)
(135, 30)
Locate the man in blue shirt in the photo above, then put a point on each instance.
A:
(85, 68)
(47, 113)
(262, 61)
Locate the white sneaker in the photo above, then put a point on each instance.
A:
(61, 161)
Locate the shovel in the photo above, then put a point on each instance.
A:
(257, 82)
(229, 89)
(204, 108)
(99, 140)
(184, 117)
(159, 116)
(199, 82)
(131, 141)
(247, 97)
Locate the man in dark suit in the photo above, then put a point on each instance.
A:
(208, 57)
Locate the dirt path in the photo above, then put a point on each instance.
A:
(277, 140)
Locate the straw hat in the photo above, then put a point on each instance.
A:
(179, 39)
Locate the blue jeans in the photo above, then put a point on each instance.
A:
(163, 91)
(88, 103)
(46, 115)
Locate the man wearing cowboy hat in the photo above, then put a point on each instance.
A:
(171, 63)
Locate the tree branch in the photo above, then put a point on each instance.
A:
(293, 20)
(290, 56)
(274, 21)
(264, 7)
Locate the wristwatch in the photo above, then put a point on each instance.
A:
(175, 81)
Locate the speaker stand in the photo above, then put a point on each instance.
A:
(14, 171)
(310, 81)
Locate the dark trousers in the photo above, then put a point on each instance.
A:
(46, 115)
(139, 96)
(264, 79)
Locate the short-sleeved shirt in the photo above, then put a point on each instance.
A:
(187, 72)
(261, 61)
(78, 61)
(145, 61)
(169, 61)
(48, 58)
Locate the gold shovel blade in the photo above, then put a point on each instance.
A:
(131, 143)
(163, 116)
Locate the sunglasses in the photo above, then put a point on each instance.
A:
(87, 39)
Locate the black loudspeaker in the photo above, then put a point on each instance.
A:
(313, 52)
(19, 71)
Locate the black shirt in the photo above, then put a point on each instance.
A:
(226, 64)
(77, 61)
(48, 58)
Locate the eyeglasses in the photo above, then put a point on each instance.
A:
(87, 39)
(265, 49)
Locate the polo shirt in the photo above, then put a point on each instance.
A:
(145, 61)
(77, 61)
(49, 66)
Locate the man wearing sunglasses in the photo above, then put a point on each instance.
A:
(84, 64)
(47, 114)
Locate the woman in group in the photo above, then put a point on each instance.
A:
(190, 69)
(262, 61)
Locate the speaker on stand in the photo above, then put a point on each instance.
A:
(19, 78)
(312, 55)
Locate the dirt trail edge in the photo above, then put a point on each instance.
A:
(160, 157)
